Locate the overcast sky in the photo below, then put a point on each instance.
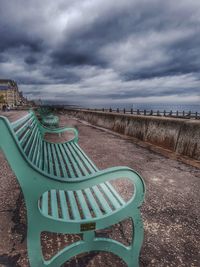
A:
(102, 51)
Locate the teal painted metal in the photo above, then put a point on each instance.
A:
(44, 111)
(47, 118)
(59, 175)
(50, 120)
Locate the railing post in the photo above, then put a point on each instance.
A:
(183, 113)
(138, 112)
(124, 110)
(110, 110)
(151, 112)
(170, 114)
(131, 111)
(103, 109)
(117, 110)
(177, 113)
(196, 115)
(145, 112)
(158, 113)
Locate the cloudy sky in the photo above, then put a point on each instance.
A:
(102, 51)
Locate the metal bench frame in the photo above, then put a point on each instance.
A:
(50, 121)
(35, 182)
(47, 118)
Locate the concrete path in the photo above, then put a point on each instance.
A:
(171, 211)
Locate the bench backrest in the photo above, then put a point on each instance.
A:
(58, 161)
(29, 136)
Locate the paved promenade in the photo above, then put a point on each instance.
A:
(171, 211)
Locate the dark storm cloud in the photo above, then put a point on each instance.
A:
(150, 93)
(115, 49)
(62, 76)
(82, 46)
(30, 60)
(15, 37)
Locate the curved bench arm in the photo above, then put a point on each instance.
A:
(114, 174)
(45, 129)
(101, 177)
(59, 130)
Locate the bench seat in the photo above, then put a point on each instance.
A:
(81, 205)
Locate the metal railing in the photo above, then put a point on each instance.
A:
(145, 112)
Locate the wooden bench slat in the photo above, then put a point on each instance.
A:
(86, 157)
(41, 156)
(46, 162)
(114, 192)
(23, 127)
(84, 206)
(78, 160)
(64, 206)
(39, 153)
(74, 206)
(64, 171)
(32, 147)
(115, 203)
(104, 204)
(67, 161)
(36, 150)
(73, 162)
(93, 203)
(32, 133)
(54, 204)
(51, 171)
(56, 160)
(24, 138)
(16, 123)
(44, 203)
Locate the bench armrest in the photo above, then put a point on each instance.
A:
(45, 129)
(60, 130)
(114, 174)
(99, 177)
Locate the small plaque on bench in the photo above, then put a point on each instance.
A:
(88, 226)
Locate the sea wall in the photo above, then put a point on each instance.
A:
(179, 135)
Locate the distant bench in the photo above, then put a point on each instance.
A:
(47, 118)
(65, 192)
(50, 120)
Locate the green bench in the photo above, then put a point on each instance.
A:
(65, 192)
(47, 118)
(44, 111)
(50, 120)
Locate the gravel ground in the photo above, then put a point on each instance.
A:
(171, 212)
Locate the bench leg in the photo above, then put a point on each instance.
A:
(137, 240)
(34, 247)
(130, 255)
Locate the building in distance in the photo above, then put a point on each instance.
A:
(10, 95)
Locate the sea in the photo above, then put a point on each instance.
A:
(193, 107)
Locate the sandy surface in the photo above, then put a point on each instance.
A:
(171, 211)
